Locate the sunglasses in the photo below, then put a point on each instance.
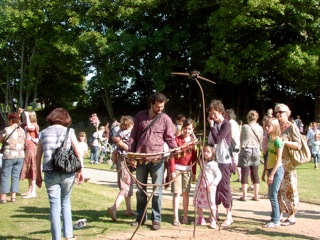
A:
(280, 112)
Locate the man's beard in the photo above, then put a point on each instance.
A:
(156, 112)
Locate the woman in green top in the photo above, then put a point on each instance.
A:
(274, 169)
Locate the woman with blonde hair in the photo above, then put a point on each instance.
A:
(273, 167)
(29, 165)
(249, 157)
(288, 193)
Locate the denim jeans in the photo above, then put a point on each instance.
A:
(273, 190)
(94, 154)
(156, 173)
(59, 187)
(11, 167)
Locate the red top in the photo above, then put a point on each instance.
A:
(187, 158)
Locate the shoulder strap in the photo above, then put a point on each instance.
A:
(254, 133)
(66, 139)
(9, 135)
(152, 122)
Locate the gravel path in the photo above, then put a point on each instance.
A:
(253, 212)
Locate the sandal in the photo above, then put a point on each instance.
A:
(130, 213)
(288, 222)
(255, 199)
(3, 201)
(112, 213)
(242, 199)
(13, 199)
(185, 221)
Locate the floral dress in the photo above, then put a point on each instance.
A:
(288, 193)
(210, 174)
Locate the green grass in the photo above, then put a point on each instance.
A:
(307, 175)
(29, 218)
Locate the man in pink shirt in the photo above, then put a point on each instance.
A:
(151, 139)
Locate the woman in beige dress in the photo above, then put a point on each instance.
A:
(288, 194)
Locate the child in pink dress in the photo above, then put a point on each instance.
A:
(205, 191)
(83, 149)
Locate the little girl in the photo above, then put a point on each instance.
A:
(274, 169)
(181, 167)
(125, 183)
(83, 148)
(316, 150)
(205, 191)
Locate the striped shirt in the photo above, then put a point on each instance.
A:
(51, 138)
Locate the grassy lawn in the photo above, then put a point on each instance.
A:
(29, 218)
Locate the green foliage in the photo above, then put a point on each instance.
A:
(266, 47)
(266, 39)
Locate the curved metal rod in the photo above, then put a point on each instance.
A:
(202, 160)
(193, 76)
(139, 184)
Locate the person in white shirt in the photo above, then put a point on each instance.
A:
(235, 134)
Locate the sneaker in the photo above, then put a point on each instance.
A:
(271, 225)
(80, 223)
(201, 221)
(136, 223)
(213, 224)
(32, 195)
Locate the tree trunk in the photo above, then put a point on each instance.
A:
(21, 74)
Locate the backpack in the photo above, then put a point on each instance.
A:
(91, 140)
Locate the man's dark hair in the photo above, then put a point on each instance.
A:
(157, 97)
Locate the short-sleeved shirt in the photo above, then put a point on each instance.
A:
(51, 138)
(14, 145)
(272, 152)
(154, 138)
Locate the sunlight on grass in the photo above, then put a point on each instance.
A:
(30, 217)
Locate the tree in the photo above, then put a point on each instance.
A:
(37, 48)
(272, 43)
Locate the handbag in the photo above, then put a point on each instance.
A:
(302, 155)
(64, 160)
(4, 142)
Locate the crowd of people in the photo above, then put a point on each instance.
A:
(232, 148)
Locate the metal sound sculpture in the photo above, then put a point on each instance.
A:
(133, 159)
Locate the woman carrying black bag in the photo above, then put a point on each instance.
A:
(59, 184)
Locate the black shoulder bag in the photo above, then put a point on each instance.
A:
(64, 160)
